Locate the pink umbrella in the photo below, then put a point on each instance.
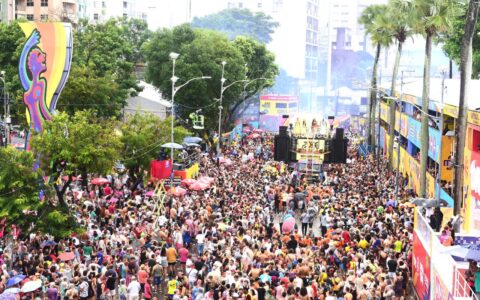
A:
(198, 186)
(246, 129)
(288, 225)
(207, 180)
(149, 194)
(100, 181)
(188, 181)
(254, 136)
(258, 130)
(113, 200)
(65, 178)
(65, 256)
(178, 191)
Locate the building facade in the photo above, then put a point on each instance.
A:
(43, 10)
(102, 10)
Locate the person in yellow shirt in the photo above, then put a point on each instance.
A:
(363, 244)
(171, 258)
(398, 246)
(172, 285)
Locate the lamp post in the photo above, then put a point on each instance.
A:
(175, 89)
(220, 108)
(6, 116)
(440, 160)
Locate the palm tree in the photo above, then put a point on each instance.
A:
(465, 76)
(400, 23)
(374, 19)
(434, 17)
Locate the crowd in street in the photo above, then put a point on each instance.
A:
(351, 239)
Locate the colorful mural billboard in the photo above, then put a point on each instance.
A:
(414, 132)
(43, 69)
(421, 269)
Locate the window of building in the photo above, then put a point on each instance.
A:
(44, 17)
(44, 3)
(95, 17)
(125, 4)
(259, 5)
(29, 2)
(104, 5)
(125, 15)
(30, 17)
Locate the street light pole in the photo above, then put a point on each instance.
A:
(222, 81)
(175, 89)
(440, 161)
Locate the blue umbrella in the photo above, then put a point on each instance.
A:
(48, 244)
(192, 139)
(15, 280)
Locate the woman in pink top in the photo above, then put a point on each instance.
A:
(142, 277)
(183, 256)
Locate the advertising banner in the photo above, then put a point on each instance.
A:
(472, 183)
(421, 269)
(160, 169)
(473, 118)
(404, 125)
(440, 291)
(397, 121)
(384, 112)
(434, 138)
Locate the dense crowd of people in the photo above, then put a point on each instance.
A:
(351, 239)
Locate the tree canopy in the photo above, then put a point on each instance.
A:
(235, 22)
(21, 202)
(142, 136)
(201, 53)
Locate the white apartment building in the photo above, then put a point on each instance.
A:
(102, 10)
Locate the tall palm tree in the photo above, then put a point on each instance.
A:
(400, 23)
(465, 76)
(434, 17)
(374, 19)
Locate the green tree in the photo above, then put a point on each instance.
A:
(11, 43)
(103, 66)
(234, 22)
(20, 197)
(201, 53)
(79, 144)
(400, 22)
(142, 136)
(374, 19)
(434, 17)
(260, 63)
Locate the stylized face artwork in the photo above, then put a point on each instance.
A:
(43, 69)
(37, 62)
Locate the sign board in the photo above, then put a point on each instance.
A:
(421, 269)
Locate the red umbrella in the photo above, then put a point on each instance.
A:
(188, 181)
(100, 181)
(198, 186)
(65, 256)
(254, 136)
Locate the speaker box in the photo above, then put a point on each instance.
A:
(282, 131)
(282, 146)
(339, 133)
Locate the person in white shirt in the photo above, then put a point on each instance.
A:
(133, 289)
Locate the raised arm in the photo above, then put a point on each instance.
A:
(32, 42)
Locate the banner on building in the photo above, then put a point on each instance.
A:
(421, 269)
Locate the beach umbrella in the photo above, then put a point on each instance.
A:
(192, 145)
(15, 280)
(178, 191)
(258, 130)
(113, 200)
(99, 181)
(149, 194)
(31, 286)
(172, 145)
(66, 256)
(192, 139)
(253, 136)
(13, 290)
(288, 225)
(188, 181)
(198, 186)
(8, 296)
(206, 179)
(48, 244)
